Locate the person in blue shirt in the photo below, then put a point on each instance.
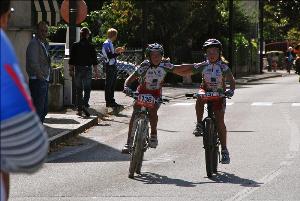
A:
(110, 54)
(289, 59)
(23, 139)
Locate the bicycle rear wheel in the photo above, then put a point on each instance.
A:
(137, 153)
(209, 146)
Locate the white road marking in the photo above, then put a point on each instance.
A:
(262, 104)
(183, 104)
(232, 103)
(289, 159)
(294, 132)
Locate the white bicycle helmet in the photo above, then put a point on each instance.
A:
(212, 43)
(155, 47)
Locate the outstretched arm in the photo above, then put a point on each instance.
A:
(230, 78)
(183, 69)
(130, 79)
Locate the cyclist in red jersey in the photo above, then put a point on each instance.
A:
(215, 72)
(151, 74)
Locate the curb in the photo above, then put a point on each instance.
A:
(245, 81)
(70, 133)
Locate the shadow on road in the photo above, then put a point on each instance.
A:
(168, 131)
(153, 178)
(221, 177)
(82, 150)
(224, 177)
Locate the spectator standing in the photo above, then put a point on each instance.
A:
(289, 59)
(38, 67)
(23, 140)
(110, 54)
(83, 56)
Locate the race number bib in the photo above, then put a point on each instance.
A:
(146, 100)
(210, 94)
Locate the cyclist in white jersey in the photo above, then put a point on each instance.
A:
(214, 73)
(151, 74)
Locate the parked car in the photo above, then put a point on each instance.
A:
(124, 68)
(57, 52)
(276, 60)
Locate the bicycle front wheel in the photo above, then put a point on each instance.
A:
(209, 146)
(137, 153)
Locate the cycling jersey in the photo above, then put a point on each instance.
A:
(213, 75)
(151, 78)
(109, 53)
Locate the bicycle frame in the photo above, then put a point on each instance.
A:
(211, 139)
(140, 133)
(211, 142)
(143, 114)
(211, 115)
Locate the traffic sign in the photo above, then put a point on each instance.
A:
(81, 11)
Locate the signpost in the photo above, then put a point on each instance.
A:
(261, 35)
(73, 12)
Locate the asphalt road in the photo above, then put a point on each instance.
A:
(263, 123)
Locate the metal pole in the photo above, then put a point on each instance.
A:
(144, 19)
(230, 41)
(72, 36)
(261, 35)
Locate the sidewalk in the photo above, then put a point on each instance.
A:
(265, 75)
(66, 123)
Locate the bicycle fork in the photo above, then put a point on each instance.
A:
(144, 120)
(211, 142)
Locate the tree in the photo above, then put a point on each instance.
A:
(281, 19)
(125, 17)
(171, 23)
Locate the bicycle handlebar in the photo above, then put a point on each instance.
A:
(135, 95)
(196, 95)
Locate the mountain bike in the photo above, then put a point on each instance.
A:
(211, 140)
(140, 130)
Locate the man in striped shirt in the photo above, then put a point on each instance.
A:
(23, 140)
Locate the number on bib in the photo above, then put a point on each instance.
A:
(146, 100)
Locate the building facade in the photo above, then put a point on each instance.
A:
(23, 23)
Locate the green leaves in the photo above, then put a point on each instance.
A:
(293, 34)
(281, 20)
(240, 40)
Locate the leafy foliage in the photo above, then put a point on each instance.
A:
(281, 20)
(58, 33)
(123, 16)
